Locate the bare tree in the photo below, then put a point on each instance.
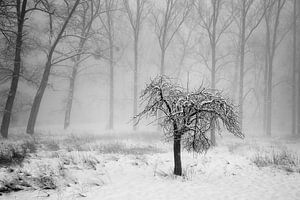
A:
(186, 47)
(49, 63)
(298, 127)
(249, 17)
(273, 7)
(187, 116)
(108, 24)
(294, 79)
(87, 13)
(18, 18)
(215, 27)
(136, 17)
(167, 23)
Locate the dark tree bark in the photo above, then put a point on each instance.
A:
(177, 151)
(21, 12)
(41, 90)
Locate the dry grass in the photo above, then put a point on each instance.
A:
(55, 158)
(14, 153)
(188, 174)
(282, 159)
(122, 148)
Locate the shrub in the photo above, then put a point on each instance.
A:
(283, 159)
(45, 182)
(52, 145)
(15, 153)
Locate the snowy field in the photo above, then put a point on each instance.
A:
(92, 165)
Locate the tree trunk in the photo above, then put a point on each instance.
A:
(267, 54)
(265, 85)
(37, 99)
(135, 80)
(72, 81)
(272, 51)
(235, 77)
(213, 87)
(162, 73)
(177, 152)
(70, 97)
(17, 66)
(269, 98)
(298, 127)
(41, 90)
(162, 63)
(110, 32)
(111, 85)
(294, 80)
(213, 44)
(242, 63)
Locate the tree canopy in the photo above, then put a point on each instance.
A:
(188, 114)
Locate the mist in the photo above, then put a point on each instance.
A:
(87, 67)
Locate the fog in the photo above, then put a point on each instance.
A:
(151, 99)
(188, 60)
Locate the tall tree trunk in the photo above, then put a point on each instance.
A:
(267, 54)
(70, 96)
(135, 80)
(269, 97)
(265, 91)
(110, 32)
(294, 84)
(235, 83)
(72, 81)
(298, 127)
(41, 90)
(162, 73)
(242, 63)
(213, 44)
(162, 62)
(111, 85)
(21, 11)
(37, 99)
(272, 51)
(177, 151)
(213, 87)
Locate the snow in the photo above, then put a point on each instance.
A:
(224, 172)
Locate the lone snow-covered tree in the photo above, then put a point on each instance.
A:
(187, 116)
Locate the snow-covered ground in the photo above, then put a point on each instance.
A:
(139, 166)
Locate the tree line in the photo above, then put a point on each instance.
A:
(228, 40)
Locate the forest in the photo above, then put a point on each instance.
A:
(94, 83)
